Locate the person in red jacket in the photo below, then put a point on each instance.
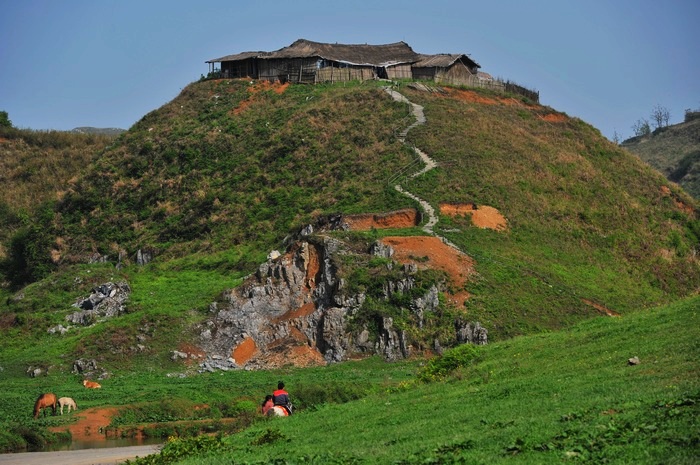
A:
(281, 397)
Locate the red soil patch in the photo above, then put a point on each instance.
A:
(191, 350)
(483, 216)
(90, 425)
(304, 310)
(474, 97)
(471, 96)
(554, 118)
(244, 351)
(397, 219)
(440, 256)
(600, 308)
(312, 268)
(665, 190)
(260, 86)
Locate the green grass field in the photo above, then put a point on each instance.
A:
(559, 397)
(550, 398)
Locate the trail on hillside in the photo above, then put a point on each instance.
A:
(417, 112)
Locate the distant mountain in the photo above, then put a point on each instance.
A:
(91, 130)
(673, 150)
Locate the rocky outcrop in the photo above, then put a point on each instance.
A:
(106, 301)
(296, 310)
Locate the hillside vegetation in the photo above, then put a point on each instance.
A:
(35, 167)
(566, 396)
(211, 182)
(551, 398)
(674, 150)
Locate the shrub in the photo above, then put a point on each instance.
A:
(440, 367)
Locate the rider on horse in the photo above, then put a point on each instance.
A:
(281, 397)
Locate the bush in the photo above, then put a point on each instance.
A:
(309, 396)
(440, 367)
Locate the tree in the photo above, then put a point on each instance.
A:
(641, 127)
(5, 120)
(660, 115)
(616, 137)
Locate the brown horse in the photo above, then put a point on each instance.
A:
(44, 401)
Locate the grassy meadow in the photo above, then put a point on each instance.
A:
(559, 397)
(568, 396)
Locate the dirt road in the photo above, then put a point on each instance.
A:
(100, 456)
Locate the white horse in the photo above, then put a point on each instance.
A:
(277, 411)
(67, 401)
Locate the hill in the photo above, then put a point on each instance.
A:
(552, 223)
(35, 167)
(674, 150)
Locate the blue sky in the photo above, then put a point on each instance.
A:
(106, 63)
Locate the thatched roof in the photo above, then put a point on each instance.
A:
(356, 54)
(363, 54)
(359, 54)
(443, 60)
(236, 57)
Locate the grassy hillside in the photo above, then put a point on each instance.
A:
(229, 163)
(587, 221)
(551, 398)
(212, 181)
(216, 178)
(674, 150)
(35, 167)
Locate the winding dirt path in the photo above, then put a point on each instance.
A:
(417, 112)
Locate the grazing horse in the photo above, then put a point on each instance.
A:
(44, 401)
(68, 402)
(91, 384)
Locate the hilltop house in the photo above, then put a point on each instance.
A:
(310, 62)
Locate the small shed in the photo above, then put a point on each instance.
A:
(454, 69)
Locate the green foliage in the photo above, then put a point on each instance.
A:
(5, 120)
(178, 448)
(337, 392)
(28, 256)
(440, 367)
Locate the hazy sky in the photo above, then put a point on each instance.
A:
(106, 63)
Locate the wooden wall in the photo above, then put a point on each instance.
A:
(333, 74)
(238, 69)
(455, 75)
(402, 71)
